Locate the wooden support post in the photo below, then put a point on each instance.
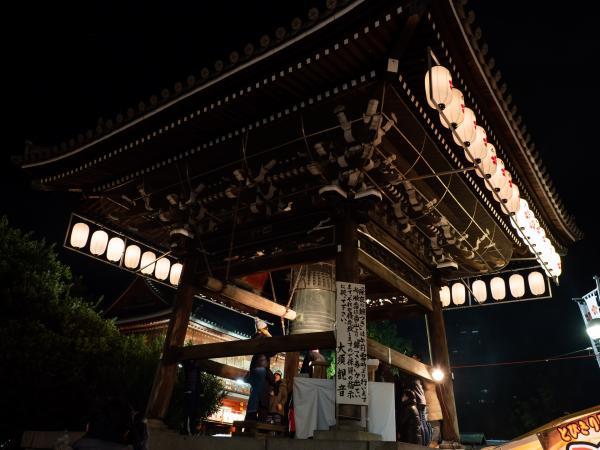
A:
(441, 359)
(347, 270)
(291, 368)
(166, 373)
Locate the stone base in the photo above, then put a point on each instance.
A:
(345, 435)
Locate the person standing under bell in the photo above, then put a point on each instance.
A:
(278, 399)
(260, 378)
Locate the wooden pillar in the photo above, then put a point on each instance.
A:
(441, 359)
(347, 270)
(291, 368)
(166, 373)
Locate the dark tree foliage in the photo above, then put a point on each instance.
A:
(58, 355)
(386, 333)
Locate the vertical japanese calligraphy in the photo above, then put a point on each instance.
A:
(351, 378)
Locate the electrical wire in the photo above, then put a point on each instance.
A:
(526, 361)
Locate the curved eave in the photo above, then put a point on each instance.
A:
(44, 156)
(470, 57)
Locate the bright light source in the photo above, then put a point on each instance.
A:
(593, 329)
(437, 375)
(180, 365)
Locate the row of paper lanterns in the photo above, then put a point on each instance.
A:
(444, 97)
(132, 257)
(528, 228)
(457, 293)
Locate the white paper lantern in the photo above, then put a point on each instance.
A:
(98, 242)
(148, 263)
(441, 85)
(161, 272)
(445, 296)
(521, 219)
(175, 273)
(455, 110)
(516, 283)
(479, 291)
(116, 247)
(488, 164)
(506, 191)
(499, 179)
(132, 256)
(514, 202)
(467, 129)
(477, 150)
(555, 265)
(537, 284)
(458, 294)
(79, 235)
(498, 288)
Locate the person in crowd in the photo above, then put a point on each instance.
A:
(434, 412)
(278, 399)
(408, 427)
(416, 385)
(190, 397)
(113, 426)
(260, 378)
(311, 357)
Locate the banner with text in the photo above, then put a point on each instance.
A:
(351, 380)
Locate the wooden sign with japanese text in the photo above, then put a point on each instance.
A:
(351, 379)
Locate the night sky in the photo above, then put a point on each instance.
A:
(73, 64)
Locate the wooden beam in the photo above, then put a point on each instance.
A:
(221, 370)
(384, 235)
(294, 342)
(378, 269)
(274, 263)
(397, 359)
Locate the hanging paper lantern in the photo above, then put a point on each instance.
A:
(479, 291)
(537, 284)
(513, 204)
(79, 235)
(488, 164)
(466, 131)
(477, 150)
(499, 179)
(132, 256)
(98, 242)
(458, 294)
(445, 296)
(441, 87)
(175, 273)
(161, 271)
(516, 284)
(116, 246)
(455, 110)
(148, 263)
(498, 288)
(506, 191)
(555, 265)
(522, 218)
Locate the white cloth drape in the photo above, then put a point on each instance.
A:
(314, 407)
